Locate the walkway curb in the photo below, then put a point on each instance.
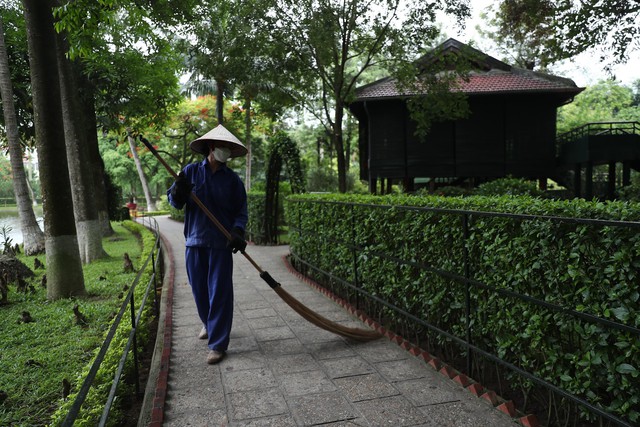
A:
(152, 411)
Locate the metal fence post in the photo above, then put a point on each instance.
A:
(355, 256)
(135, 344)
(467, 292)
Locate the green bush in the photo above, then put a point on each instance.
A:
(630, 193)
(509, 186)
(255, 225)
(447, 190)
(325, 180)
(588, 268)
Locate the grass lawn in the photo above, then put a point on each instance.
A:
(36, 357)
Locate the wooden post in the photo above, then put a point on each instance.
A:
(626, 174)
(577, 180)
(542, 184)
(588, 181)
(611, 187)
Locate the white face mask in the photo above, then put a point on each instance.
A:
(221, 154)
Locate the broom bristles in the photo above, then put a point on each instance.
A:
(356, 334)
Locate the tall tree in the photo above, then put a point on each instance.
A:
(128, 62)
(521, 30)
(64, 267)
(216, 48)
(151, 206)
(32, 235)
(566, 28)
(227, 48)
(332, 43)
(83, 189)
(88, 100)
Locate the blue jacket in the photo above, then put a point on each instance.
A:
(223, 193)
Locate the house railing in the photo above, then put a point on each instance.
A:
(376, 307)
(599, 128)
(129, 304)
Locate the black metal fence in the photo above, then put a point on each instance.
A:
(409, 323)
(129, 304)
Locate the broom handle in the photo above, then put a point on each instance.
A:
(208, 213)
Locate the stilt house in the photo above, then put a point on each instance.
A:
(511, 129)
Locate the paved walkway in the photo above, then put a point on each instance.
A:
(281, 370)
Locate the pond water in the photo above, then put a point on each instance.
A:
(10, 221)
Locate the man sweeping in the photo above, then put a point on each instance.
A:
(208, 252)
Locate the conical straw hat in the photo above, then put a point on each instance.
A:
(219, 133)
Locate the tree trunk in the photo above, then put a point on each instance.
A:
(82, 190)
(64, 267)
(220, 101)
(339, 146)
(97, 165)
(151, 206)
(32, 235)
(247, 142)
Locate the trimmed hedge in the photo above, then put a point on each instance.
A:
(415, 260)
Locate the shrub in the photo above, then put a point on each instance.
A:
(509, 186)
(630, 193)
(413, 252)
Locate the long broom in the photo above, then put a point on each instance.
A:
(356, 334)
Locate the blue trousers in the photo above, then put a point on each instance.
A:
(210, 275)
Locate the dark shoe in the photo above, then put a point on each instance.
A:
(203, 334)
(214, 357)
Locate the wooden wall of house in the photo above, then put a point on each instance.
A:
(480, 139)
(387, 133)
(530, 134)
(435, 156)
(504, 135)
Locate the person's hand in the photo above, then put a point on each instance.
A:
(237, 242)
(181, 189)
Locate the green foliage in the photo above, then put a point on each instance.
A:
(281, 149)
(37, 356)
(323, 67)
(132, 63)
(325, 180)
(322, 179)
(603, 102)
(563, 29)
(115, 199)
(588, 268)
(255, 226)
(447, 191)
(630, 193)
(6, 181)
(508, 186)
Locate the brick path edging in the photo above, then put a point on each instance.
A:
(157, 411)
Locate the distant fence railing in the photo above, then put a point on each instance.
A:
(599, 128)
(129, 304)
(377, 308)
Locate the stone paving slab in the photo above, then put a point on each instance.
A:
(281, 370)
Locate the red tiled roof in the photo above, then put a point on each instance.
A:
(492, 82)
